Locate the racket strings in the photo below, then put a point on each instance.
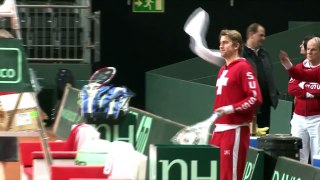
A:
(103, 76)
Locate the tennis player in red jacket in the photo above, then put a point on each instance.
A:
(237, 96)
(310, 75)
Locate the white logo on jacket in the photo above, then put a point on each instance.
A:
(222, 81)
(253, 86)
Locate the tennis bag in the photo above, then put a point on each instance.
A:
(109, 100)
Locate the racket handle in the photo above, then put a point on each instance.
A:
(218, 114)
(214, 116)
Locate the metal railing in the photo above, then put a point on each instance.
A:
(57, 32)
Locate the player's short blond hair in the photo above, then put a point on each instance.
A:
(234, 36)
(5, 34)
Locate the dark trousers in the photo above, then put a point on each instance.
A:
(263, 116)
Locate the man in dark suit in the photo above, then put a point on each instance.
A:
(260, 60)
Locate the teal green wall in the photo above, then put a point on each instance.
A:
(183, 91)
(295, 24)
(289, 41)
(190, 70)
(280, 118)
(182, 101)
(47, 73)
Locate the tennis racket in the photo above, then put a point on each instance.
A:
(196, 134)
(103, 76)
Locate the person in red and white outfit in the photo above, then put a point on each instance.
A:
(305, 121)
(237, 96)
(310, 75)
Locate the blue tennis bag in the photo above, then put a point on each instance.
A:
(109, 99)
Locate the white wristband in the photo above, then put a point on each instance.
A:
(228, 109)
(309, 95)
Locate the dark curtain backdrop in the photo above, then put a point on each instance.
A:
(138, 42)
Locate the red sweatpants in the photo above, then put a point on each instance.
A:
(234, 146)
